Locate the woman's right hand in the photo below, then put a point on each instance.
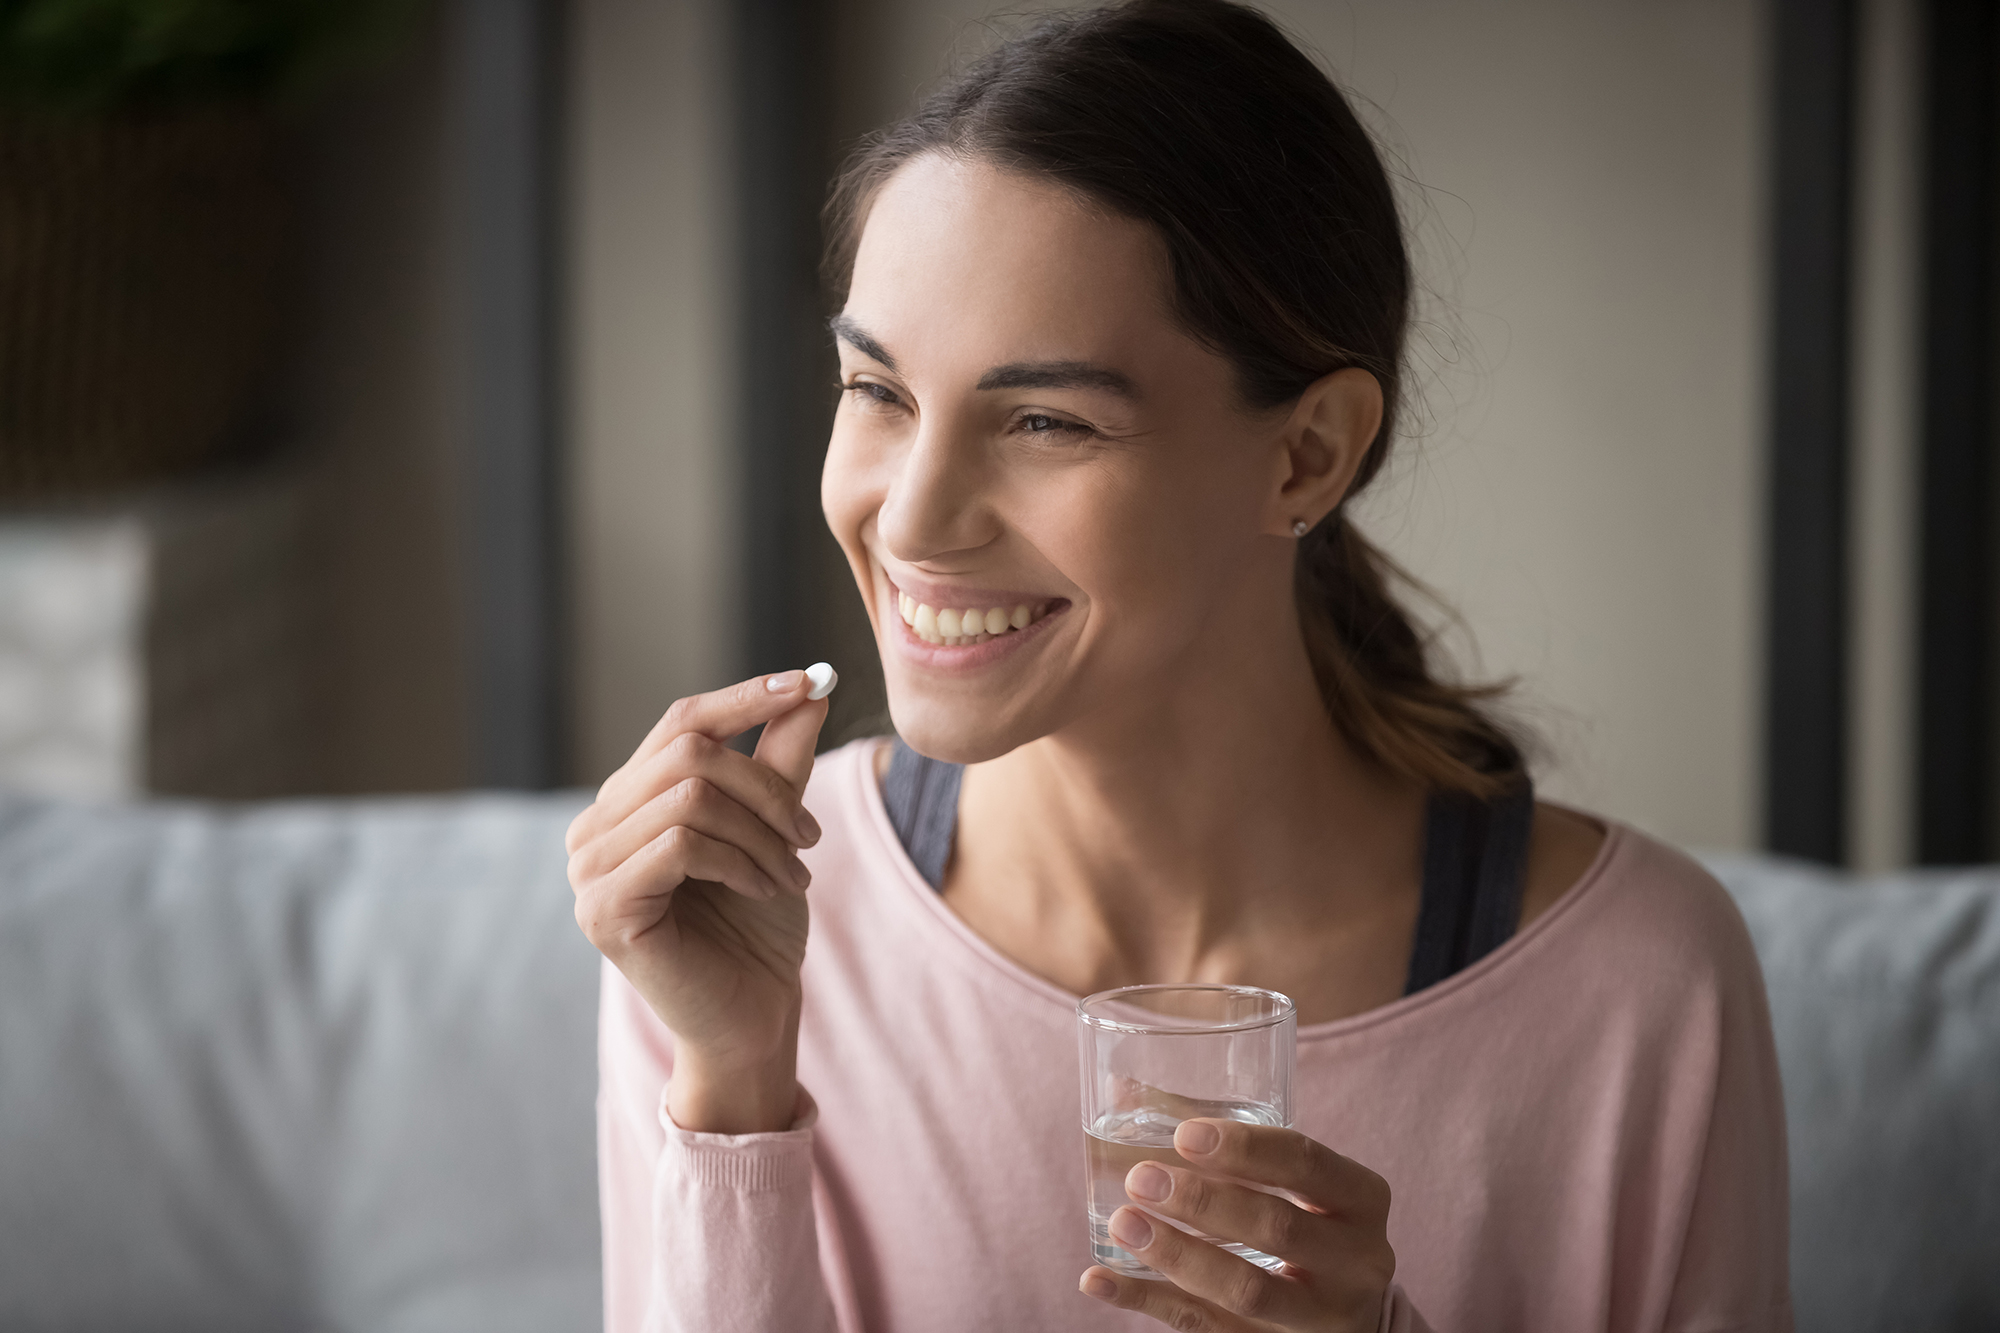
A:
(687, 877)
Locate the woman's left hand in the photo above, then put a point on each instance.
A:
(1334, 1239)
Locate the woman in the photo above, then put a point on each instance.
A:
(1125, 306)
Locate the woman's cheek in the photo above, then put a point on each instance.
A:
(848, 502)
(1179, 548)
(1128, 548)
(844, 488)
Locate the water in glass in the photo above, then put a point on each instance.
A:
(1119, 1140)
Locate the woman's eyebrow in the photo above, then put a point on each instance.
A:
(1059, 375)
(860, 340)
(1014, 375)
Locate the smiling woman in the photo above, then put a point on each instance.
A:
(1125, 306)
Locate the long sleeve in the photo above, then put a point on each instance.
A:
(1734, 1266)
(1399, 1316)
(701, 1231)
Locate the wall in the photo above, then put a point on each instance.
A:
(376, 399)
(1583, 183)
(652, 507)
(648, 487)
(1884, 414)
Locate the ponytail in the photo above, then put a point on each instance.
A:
(1374, 672)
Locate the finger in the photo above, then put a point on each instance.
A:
(618, 909)
(716, 716)
(705, 808)
(788, 742)
(1236, 1212)
(1209, 1272)
(721, 714)
(1285, 1159)
(1158, 1300)
(756, 786)
(662, 865)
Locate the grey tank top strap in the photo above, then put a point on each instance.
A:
(1475, 855)
(921, 794)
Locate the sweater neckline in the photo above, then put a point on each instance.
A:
(1502, 967)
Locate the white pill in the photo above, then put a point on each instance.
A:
(823, 678)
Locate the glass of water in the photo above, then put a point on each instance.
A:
(1154, 1056)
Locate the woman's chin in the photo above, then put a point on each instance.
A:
(952, 732)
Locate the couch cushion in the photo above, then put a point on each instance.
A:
(1885, 997)
(310, 1064)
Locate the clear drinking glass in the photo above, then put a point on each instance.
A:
(1154, 1056)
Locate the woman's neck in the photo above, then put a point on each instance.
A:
(1216, 828)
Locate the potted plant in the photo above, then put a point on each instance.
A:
(145, 222)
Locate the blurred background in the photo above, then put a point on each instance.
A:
(400, 396)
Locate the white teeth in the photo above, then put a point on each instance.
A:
(956, 627)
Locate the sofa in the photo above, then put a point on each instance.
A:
(330, 1066)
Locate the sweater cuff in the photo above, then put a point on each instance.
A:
(745, 1163)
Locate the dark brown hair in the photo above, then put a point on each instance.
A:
(1287, 253)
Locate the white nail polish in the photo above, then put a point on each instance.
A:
(823, 678)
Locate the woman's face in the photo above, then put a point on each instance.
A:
(1027, 435)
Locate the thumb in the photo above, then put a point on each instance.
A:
(788, 741)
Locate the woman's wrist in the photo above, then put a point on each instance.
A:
(718, 1094)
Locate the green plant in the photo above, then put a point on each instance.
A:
(108, 55)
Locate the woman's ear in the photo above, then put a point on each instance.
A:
(1321, 446)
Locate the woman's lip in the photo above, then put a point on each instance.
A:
(961, 657)
(952, 597)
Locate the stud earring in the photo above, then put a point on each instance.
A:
(1300, 528)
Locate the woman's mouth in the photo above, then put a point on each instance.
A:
(964, 626)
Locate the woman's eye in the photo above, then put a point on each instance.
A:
(1040, 423)
(872, 394)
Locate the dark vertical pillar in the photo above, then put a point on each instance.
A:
(506, 52)
(1955, 664)
(1805, 690)
(779, 51)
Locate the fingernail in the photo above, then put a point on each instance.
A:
(1099, 1287)
(823, 678)
(1147, 1181)
(1130, 1228)
(808, 827)
(1194, 1136)
(784, 682)
(800, 875)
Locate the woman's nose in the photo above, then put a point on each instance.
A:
(936, 502)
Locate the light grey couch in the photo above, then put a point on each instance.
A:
(330, 1066)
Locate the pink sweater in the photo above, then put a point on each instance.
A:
(1584, 1131)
